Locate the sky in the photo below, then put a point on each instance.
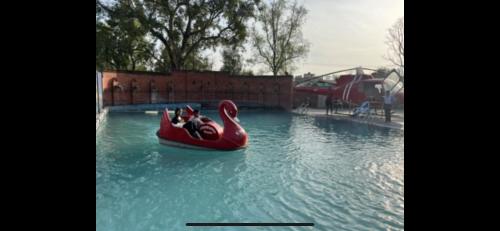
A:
(343, 34)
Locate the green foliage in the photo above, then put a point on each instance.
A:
(184, 28)
(232, 61)
(121, 41)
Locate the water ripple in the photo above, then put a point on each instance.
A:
(339, 175)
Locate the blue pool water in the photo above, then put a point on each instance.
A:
(338, 175)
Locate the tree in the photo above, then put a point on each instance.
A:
(247, 72)
(187, 26)
(278, 42)
(121, 41)
(196, 61)
(232, 61)
(396, 43)
(162, 63)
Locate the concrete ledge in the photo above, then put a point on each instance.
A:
(100, 118)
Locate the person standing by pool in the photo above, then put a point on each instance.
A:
(328, 103)
(336, 105)
(388, 101)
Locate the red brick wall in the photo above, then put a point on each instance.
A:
(183, 86)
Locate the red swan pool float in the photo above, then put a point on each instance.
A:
(231, 137)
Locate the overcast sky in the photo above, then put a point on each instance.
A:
(345, 34)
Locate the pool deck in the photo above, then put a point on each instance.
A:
(397, 119)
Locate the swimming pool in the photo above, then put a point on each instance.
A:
(338, 175)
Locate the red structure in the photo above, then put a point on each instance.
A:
(350, 89)
(207, 88)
